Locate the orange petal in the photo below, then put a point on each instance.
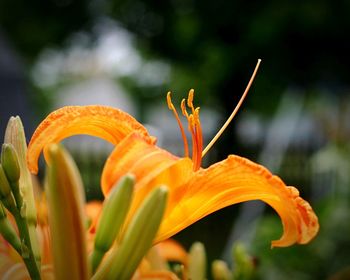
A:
(17, 271)
(134, 155)
(100, 121)
(5, 261)
(93, 209)
(236, 180)
(157, 275)
(151, 166)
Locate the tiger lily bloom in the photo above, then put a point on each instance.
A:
(194, 192)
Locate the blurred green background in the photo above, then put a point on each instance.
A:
(128, 54)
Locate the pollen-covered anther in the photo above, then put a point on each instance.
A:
(183, 108)
(168, 100)
(196, 116)
(190, 99)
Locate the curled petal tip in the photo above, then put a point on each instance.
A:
(304, 222)
(236, 180)
(105, 122)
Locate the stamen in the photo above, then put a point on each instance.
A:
(194, 128)
(172, 108)
(199, 139)
(190, 100)
(183, 108)
(191, 128)
(222, 129)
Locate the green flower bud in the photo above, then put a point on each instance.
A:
(122, 262)
(14, 134)
(8, 232)
(65, 200)
(220, 270)
(6, 192)
(243, 266)
(197, 262)
(25, 213)
(9, 161)
(114, 211)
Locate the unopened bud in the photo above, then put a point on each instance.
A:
(123, 261)
(5, 191)
(9, 161)
(10, 164)
(243, 264)
(220, 270)
(197, 262)
(65, 199)
(8, 232)
(14, 134)
(114, 211)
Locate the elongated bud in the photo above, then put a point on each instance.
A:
(123, 261)
(2, 211)
(243, 264)
(5, 191)
(14, 135)
(114, 211)
(197, 262)
(220, 270)
(65, 199)
(9, 161)
(8, 232)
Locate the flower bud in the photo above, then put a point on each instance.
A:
(123, 261)
(65, 199)
(14, 134)
(9, 161)
(243, 264)
(220, 270)
(115, 208)
(6, 192)
(8, 232)
(197, 262)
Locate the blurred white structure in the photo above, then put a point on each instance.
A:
(87, 71)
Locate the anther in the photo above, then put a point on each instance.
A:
(190, 98)
(183, 108)
(168, 100)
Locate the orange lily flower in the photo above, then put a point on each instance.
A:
(194, 192)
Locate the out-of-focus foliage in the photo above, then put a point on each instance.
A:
(215, 43)
(34, 25)
(211, 44)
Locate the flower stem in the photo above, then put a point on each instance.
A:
(27, 251)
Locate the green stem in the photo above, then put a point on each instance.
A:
(28, 257)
